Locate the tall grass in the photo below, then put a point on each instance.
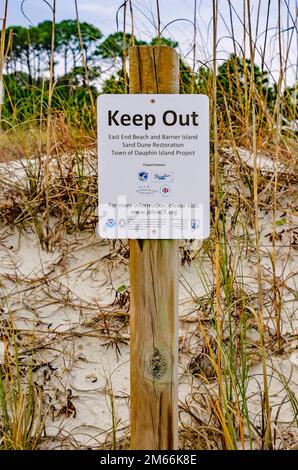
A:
(21, 414)
(62, 196)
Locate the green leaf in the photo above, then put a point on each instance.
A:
(282, 221)
(121, 289)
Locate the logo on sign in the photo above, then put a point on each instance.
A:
(195, 224)
(163, 176)
(110, 223)
(165, 190)
(143, 175)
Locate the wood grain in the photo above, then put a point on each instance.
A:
(154, 293)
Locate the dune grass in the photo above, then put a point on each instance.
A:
(246, 287)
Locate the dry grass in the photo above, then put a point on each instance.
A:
(239, 322)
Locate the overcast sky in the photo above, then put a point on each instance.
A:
(102, 13)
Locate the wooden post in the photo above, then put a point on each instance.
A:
(154, 293)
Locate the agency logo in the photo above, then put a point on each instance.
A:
(143, 175)
(195, 224)
(121, 222)
(163, 176)
(165, 190)
(110, 223)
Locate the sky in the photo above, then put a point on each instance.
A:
(102, 13)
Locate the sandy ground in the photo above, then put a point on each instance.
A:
(58, 301)
(67, 309)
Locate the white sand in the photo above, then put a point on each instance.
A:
(59, 301)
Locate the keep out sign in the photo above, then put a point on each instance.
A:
(153, 166)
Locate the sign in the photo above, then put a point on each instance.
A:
(153, 166)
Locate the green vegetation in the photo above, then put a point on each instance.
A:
(28, 60)
(245, 316)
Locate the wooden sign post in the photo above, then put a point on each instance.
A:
(154, 292)
(153, 171)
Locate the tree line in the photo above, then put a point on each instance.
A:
(84, 53)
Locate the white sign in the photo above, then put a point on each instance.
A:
(153, 166)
